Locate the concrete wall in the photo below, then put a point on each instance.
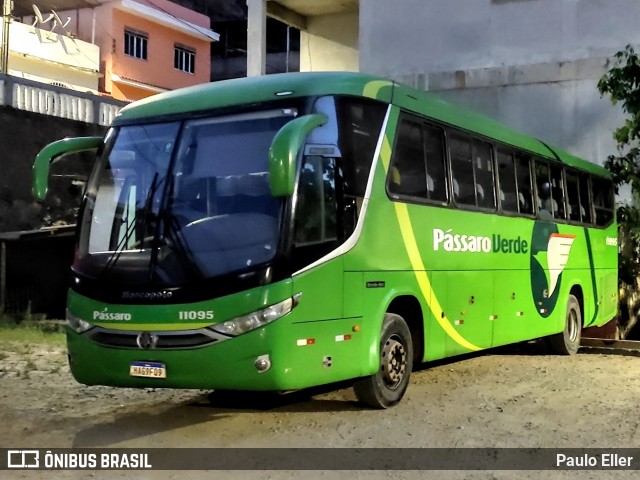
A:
(37, 263)
(236, 67)
(330, 43)
(533, 64)
(565, 112)
(25, 133)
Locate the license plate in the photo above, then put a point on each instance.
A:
(148, 370)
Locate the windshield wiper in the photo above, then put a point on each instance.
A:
(172, 228)
(139, 222)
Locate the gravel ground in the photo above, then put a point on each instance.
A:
(509, 397)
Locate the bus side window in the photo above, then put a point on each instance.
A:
(472, 169)
(573, 197)
(408, 175)
(507, 180)
(546, 205)
(464, 191)
(436, 163)
(557, 192)
(316, 210)
(483, 170)
(524, 185)
(603, 202)
(359, 124)
(585, 200)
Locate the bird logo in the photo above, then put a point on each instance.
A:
(550, 252)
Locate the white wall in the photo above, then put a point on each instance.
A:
(570, 115)
(47, 56)
(330, 43)
(533, 64)
(442, 35)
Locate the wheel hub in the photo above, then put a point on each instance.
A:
(393, 362)
(572, 324)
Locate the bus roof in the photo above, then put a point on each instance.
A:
(249, 90)
(242, 91)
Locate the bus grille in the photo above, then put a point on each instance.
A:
(163, 340)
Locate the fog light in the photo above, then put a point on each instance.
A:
(263, 363)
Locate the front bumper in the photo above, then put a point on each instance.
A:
(301, 354)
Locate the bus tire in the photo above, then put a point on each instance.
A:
(386, 387)
(567, 342)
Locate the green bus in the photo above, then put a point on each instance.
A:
(294, 230)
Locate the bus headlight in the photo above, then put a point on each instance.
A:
(251, 321)
(77, 324)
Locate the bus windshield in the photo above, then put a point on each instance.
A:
(176, 201)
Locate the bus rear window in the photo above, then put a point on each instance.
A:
(603, 203)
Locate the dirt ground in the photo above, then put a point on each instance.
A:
(511, 397)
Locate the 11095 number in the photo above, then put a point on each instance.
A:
(195, 315)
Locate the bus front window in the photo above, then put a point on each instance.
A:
(179, 201)
(124, 193)
(221, 192)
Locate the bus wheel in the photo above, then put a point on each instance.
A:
(567, 342)
(386, 387)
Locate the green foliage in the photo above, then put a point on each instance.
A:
(622, 84)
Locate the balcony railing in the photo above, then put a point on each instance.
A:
(57, 101)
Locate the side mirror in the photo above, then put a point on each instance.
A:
(54, 152)
(284, 152)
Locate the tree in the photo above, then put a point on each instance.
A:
(622, 84)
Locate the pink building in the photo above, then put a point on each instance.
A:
(146, 46)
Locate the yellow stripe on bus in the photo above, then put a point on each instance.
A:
(372, 88)
(415, 258)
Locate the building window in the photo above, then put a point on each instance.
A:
(184, 59)
(135, 44)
